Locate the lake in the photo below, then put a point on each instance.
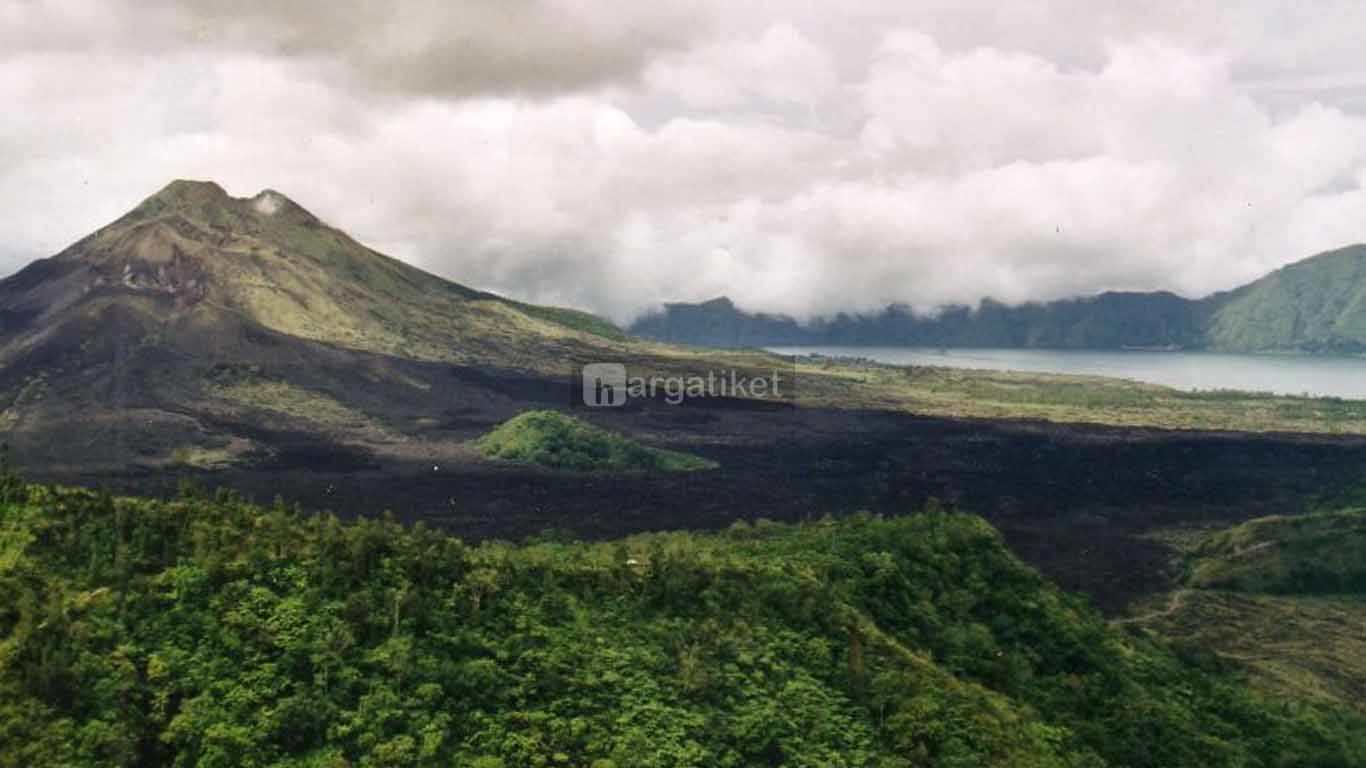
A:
(1321, 376)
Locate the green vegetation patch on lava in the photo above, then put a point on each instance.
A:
(559, 441)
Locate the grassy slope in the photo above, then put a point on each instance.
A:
(1294, 646)
(1320, 553)
(212, 632)
(552, 439)
(1285, 596)
(1318, 304)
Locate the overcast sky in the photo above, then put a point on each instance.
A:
(798, 156)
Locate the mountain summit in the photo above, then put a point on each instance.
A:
(192, 251)
(188, 323)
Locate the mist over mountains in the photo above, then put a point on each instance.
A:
(1317, 305)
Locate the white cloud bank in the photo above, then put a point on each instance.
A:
(795, 157)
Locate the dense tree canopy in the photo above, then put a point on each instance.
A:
(208, 631)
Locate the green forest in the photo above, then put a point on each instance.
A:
(206, 630)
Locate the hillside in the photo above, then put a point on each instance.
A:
(1315, 306)
(1318, 553)
(1284, 596)
(211, 632)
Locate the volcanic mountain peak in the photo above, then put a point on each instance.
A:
(192, 247)
(191, 189)
(197, 310)
(189, 241)
(207, 203)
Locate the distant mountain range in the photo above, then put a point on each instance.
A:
(1317, 305)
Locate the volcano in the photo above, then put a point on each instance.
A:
(204, 329)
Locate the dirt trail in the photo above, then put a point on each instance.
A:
(1174, 604)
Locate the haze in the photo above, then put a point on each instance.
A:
(799, 157)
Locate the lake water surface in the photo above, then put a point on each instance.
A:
(1323, 376)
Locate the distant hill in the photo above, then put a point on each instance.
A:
(1316, 305)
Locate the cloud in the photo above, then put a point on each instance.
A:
(404, 48)
(797, 157)
(779, 68)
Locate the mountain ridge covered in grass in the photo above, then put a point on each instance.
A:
(1315, 305)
